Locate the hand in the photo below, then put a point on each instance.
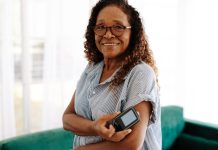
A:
(109, 133)
(118, 136)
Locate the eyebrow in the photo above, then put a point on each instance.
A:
(116, 21)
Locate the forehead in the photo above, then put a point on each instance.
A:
(112, 14)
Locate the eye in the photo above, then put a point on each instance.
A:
(99, 27)
(118, 27)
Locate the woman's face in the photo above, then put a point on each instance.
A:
(110, 45)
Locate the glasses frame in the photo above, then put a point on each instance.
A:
(111, 29)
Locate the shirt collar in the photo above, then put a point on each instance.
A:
(98, 73)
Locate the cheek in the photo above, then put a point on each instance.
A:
(127, 36)
(126, 41)
(97, 42)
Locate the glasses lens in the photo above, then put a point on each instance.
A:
(100, 30)
(117, 30)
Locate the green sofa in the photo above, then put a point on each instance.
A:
(177, 133)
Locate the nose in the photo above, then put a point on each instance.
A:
(108, 33)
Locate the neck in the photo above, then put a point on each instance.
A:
(111, 64)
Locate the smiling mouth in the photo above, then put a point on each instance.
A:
(110, 44)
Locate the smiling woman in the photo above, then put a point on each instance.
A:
(121, 74)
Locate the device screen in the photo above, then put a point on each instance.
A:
(128, 118)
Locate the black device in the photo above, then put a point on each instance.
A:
(124, 120)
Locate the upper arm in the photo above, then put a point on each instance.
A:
(142, 87)
(142, 93)
(136, 138)
(70, 108)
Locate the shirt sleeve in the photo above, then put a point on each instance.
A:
(83, 76)
(142, 86)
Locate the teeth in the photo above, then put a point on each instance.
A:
(109, 44)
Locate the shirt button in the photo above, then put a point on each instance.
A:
(93, 92)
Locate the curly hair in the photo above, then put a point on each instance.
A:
(138, 48)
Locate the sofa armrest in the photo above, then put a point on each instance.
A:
(200, 129)
(172, 122)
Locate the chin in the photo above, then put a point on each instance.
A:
(109, 56)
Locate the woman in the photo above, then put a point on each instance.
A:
(121, 73)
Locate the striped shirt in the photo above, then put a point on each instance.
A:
(94, 99)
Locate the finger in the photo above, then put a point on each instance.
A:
(112, 131)
(124, 133)
(138, 113)
(121, 135)
(107, 133)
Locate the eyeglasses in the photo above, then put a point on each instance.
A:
(116, 30)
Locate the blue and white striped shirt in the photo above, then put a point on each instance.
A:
(94, 99)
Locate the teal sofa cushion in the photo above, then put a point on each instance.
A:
(202, 129)
(172, 123)
(57, 139)
(190, 142)
(1, 145)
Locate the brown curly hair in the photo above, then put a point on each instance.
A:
(138, 48)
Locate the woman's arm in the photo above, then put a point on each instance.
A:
(81, 126)
(133, 141)
(75, 123)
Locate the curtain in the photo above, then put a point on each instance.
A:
(7, 114)
(64, 58)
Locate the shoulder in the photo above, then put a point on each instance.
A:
(142, 69)
(93, 67)
(88, 73)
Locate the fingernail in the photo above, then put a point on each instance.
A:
(129, 130)
(111, 126)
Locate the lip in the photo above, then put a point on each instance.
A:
(110, 44)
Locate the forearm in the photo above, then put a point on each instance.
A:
(99, 146)
(78, 125)
(134, 141)
(107, 145)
